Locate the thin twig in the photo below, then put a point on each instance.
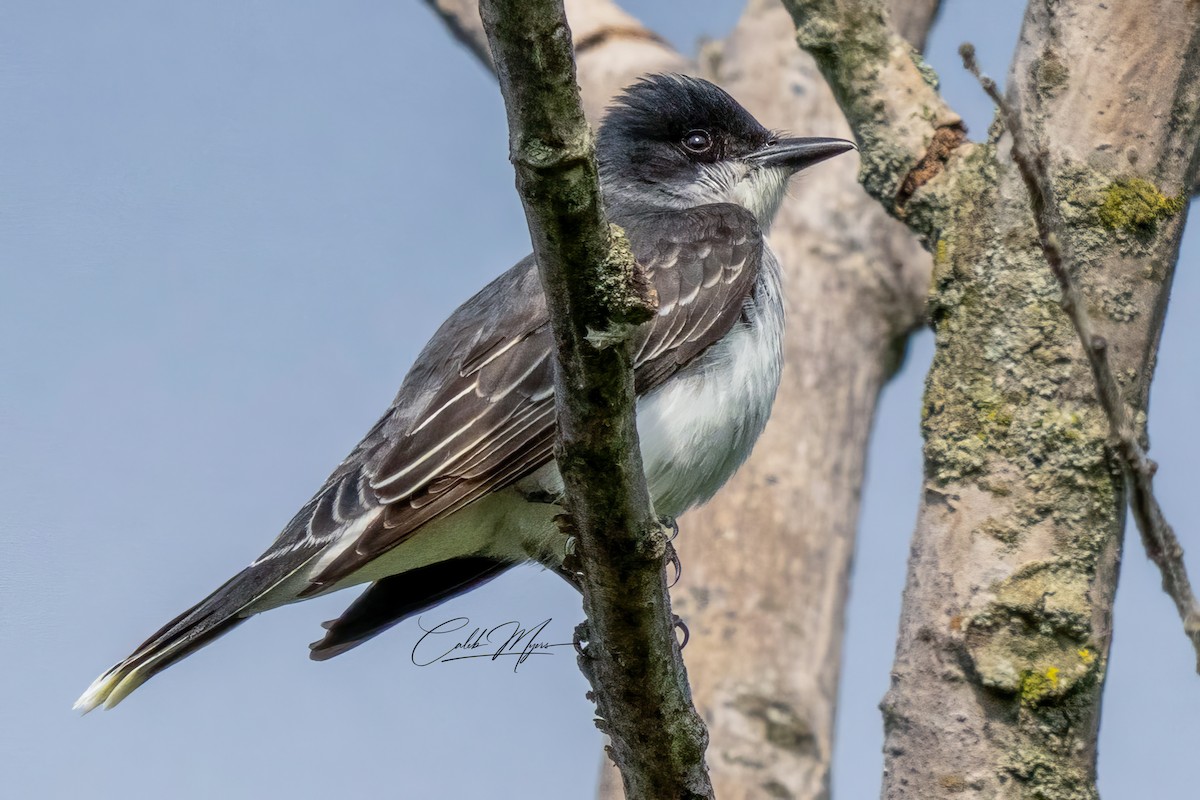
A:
(1158, 536)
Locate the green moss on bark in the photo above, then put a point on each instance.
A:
(1137, 205)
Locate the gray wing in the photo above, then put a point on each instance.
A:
(476, 412)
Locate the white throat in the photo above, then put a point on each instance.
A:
(760, 190)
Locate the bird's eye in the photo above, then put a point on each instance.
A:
(697, 141)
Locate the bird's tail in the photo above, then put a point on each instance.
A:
(216, 614)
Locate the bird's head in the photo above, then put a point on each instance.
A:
(679, 142)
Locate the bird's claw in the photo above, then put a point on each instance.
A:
(672, 556)
(676, 622)
(572, 566)
(571, 574)
(673, 560)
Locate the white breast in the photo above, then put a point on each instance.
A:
(700, 425)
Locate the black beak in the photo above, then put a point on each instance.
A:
(798, 153)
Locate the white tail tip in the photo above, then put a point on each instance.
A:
(109, 689)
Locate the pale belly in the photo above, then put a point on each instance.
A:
(699, 427)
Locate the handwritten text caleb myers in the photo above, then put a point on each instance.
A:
(441, 643)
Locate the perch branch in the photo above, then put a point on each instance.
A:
(592, 283)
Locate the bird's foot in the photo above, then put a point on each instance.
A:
(672, 523)
(571, 572)
(672, 557)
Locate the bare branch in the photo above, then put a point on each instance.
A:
(906, 131)
(611, 46)
(1006, 622)
(591, 282)
(1158, 537)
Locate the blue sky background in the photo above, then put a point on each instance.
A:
(225, 231)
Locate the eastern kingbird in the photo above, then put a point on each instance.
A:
(457, 482)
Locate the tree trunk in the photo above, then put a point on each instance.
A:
(1007, 616)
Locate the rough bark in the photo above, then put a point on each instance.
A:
(910, 139)
(1158, 537)
(1006, 622)
(592, 283)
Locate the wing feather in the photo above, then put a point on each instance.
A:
(488, 421)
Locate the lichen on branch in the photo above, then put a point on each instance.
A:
(906, 132)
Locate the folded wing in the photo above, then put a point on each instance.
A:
(476, 412)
